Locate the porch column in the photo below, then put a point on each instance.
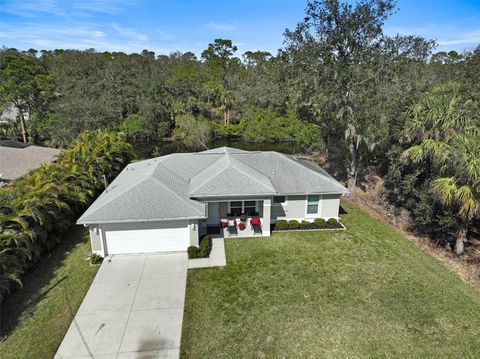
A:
(194, 229)
(267, 208)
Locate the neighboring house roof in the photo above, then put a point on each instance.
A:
(173, 186)
(17, 159)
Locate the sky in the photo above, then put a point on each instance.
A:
(165, 26)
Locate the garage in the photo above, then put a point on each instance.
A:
(146, 237)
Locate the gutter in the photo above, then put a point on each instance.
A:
(345, 192)
(85, 223)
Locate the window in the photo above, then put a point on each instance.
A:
(278, 199)
(236, 208)
(240, 207)
(312, 204)
(249, 207)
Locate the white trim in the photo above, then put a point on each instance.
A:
(140, 220)
(243, 204)
(102, 239)
(136, 238)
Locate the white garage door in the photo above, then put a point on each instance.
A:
(147, 237)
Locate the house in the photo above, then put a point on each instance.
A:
(17, 159)
(167, 203)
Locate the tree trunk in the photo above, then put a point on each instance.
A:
(352, 168)
(23, 126)
(461, 237)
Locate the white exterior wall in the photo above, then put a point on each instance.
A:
(96, 239)
(266, 219)
(330, 206)
(194, 232)
(295, 207)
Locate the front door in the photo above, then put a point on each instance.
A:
(213, 213)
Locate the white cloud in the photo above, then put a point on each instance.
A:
(130, 33)
(31, 8)
(65, 9)
(464, 39)
(449, 36)
(83, 36)
(222, 26)
(103, 6)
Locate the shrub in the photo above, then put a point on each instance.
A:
(193, 252)
(205, 246)
(132, 125)
(95, 259)
(332, 221)
(293, 224)
(320, 222)
(305, 224)
(281, 224)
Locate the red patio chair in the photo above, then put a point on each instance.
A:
(256, 225)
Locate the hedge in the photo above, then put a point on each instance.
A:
(38, 209)
(293, 224)
(281, 224)
(318, 223)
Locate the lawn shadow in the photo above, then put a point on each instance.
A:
(36, 284)
(342, 210)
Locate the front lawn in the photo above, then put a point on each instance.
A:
(361, 293)
(35, 318)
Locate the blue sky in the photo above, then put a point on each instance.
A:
(164, 26)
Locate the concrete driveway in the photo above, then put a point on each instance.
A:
(133, 309)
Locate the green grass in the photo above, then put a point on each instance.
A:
(362, 293)
(35, 318)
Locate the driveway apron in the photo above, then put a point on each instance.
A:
(133, 309)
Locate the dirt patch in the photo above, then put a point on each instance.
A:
(341, 237)
(371, 201)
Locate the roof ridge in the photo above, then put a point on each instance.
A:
(116, 196)
(214, 174)
(331, 180)
(170, 171)
(172, 191)
(175, 194)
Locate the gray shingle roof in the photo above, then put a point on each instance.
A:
(229, 176)
(17, 159)
(172, 186)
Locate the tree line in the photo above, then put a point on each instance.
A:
(339, 86)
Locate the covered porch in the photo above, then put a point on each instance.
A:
(238, 218)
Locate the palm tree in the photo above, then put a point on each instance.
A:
(227, 103)
(437, 117)
(460, 188)
(36, 210)
(445, 136)
(8, 271)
